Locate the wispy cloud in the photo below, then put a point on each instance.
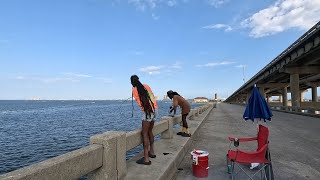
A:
(172, 3)
(137, 53)
(217, 3)
(177, 65)
(283, 15)
(241, 66)
(46, 79)
(152, 70)
(67, 77)
(218, 26)
(161, 69)
(154, 16)
(77, 75)
(214, 64)
(143, 5)
(105, 80)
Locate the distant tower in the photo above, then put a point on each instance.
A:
(215, 96)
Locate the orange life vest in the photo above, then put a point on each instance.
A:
(152, 98)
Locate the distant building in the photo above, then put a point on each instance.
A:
(200, 100)
(165, 98)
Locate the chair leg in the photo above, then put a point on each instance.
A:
(265, 174)
(261, 169)
(228, 164)
(232, 170)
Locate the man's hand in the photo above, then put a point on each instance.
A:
(171, 109)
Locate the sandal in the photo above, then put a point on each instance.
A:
(185, 134)
(141, 161)
(152, 156)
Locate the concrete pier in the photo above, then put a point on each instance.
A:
(294, 143)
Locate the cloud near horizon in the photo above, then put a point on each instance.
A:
(46, 79)
(214, 64)
(77, 75)
(66, 77)
(282, 16)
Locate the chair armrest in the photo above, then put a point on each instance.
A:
(243, 139)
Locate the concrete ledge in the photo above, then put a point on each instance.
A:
(85, 159)
(163, 167)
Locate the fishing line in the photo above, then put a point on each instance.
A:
(121, 108)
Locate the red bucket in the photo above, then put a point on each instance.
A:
(200, 161)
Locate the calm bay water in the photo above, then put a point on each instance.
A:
(33, 131)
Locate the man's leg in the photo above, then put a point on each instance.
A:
(186, 132)
(151, 138)
(184, 121)
(145, 134)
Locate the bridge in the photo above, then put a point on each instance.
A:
(294, 71)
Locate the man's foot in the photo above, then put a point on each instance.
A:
(184, 134)
(141, 161)
(152, 155)
(179, 133)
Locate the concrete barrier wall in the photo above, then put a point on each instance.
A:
(105, 158)
(71, 165)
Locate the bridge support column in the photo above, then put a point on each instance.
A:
(261, 89)
(247, 98)
(295, 93)
(285, 97)
(314, 94)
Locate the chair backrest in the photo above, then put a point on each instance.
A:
(263, 135)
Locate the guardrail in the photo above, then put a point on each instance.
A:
(104, 158)
(308, 111)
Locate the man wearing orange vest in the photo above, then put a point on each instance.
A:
(144, 96)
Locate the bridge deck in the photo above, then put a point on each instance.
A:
(294, 143)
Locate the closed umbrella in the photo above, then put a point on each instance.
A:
(257, 107)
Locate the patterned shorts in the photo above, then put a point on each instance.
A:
(149, 118)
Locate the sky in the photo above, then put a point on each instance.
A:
(88, 49)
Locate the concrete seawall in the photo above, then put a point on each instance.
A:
(105, 157)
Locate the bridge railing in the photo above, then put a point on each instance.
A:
(104, 158)
(299, 110)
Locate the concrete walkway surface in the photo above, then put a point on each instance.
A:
(294, 144)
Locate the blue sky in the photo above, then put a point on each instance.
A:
(88, 49)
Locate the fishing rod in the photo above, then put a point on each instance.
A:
(121, 106)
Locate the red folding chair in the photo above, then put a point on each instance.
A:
(237, 157)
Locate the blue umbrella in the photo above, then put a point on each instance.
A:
(257, 107)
